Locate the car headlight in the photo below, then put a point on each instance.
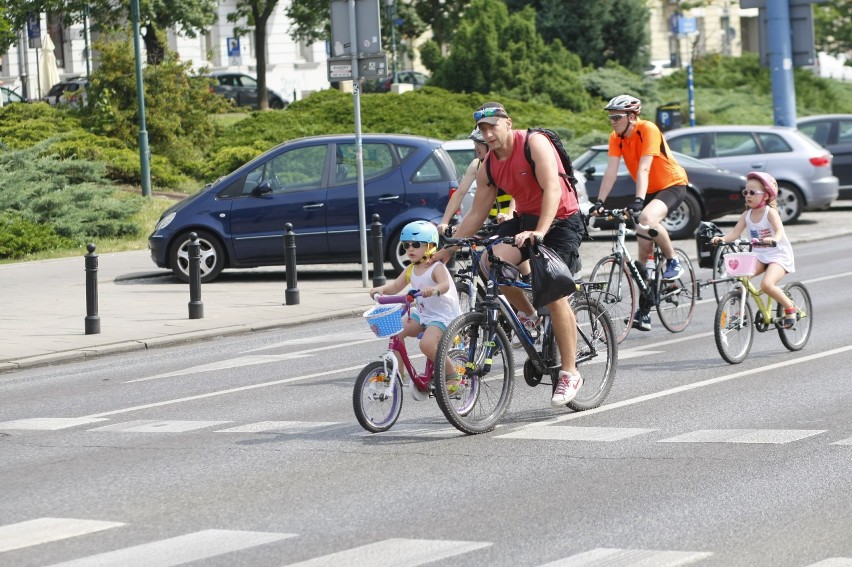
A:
(165, 221)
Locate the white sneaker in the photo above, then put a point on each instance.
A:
(566, 389)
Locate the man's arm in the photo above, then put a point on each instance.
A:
(609, 177)
(642, 173)
(464, 186)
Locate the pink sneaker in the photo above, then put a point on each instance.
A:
(567, 387)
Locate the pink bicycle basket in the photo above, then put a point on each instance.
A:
(741, 264)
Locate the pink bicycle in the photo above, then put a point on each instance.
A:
(378, 393)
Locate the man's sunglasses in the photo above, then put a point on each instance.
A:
(747, 192)
(616, 117)
(489, 112)
(413, 244)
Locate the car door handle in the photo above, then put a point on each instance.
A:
(757, 166)
(389, 198)
(314, 206)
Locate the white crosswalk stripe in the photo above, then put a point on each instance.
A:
(290, 427)
(771, 436)
(833, 562)
(606, 557)
(48, 423)
(565, 433)
(843, 442)
(395, 553)
(45, 530)
(158, 426)
(178, 550)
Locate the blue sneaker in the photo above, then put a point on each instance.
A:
(673, 269)
(642, 321)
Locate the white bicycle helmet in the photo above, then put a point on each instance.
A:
(476, 136)
(419, 231)
(625, 103)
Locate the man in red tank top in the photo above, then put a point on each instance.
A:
(545, 207)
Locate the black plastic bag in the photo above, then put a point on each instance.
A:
(551, 277)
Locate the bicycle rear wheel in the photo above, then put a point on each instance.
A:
(487, 378)
(619, 295)
(376, 406)
(725, 284)
(676, 298)
(797, 337)
(597, 354)
(734, 335)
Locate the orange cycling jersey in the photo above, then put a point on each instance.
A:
(648, 141)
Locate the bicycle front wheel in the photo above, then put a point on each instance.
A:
(676, 298)
(376, 404)
(797, 337)
(486, 378)
(618, 296)
(597, 354)
(734, 334)
(724, 284)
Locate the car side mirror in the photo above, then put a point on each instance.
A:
(262, 188)
(589, 172)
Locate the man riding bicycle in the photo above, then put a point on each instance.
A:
(660, 183)
(545, 208)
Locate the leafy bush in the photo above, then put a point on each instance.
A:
(20, 237)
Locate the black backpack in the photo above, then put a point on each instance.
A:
(560, 150)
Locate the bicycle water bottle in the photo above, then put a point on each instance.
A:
(650, 267)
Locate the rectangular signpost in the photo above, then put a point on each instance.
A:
(356, 51)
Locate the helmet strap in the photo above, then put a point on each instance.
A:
(623, 132)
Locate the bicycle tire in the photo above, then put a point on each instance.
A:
(734, 337)
(597, 354)
(488, 382)
(676, 298)
(797, 337)
(725, 284)
(618, 297)
(374, 409)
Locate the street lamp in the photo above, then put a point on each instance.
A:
(391, 4)
(144, 161)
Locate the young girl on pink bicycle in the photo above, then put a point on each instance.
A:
(764, 224)
(437, 302)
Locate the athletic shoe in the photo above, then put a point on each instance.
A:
(673, 269)
(566, 388)
(641, 322)
(530, 324)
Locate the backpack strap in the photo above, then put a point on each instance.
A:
(408, 271)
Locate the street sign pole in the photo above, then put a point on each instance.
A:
(781, 63)
(356, 97)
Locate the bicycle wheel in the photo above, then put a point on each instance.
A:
(487, 379)
(726, 284)
(619, 295)
(797, 337)
(734, 336)
(597, 354)
(376, 406)
(676, 298)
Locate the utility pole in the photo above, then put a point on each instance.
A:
(144, 154)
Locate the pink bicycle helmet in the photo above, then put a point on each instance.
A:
(768, 182)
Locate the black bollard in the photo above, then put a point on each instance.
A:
(93, 320)
(196, 308)
(378, 252)
(291, 294)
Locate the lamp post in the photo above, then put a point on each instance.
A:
(144, 162)
(391, 13)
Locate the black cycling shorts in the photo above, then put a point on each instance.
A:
(564, 236)
(672, 196)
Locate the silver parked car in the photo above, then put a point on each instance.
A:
(801, 166)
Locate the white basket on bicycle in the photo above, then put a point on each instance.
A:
(385, 320)
(741, 264)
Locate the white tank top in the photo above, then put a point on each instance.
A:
(781, 254)
(441, 309)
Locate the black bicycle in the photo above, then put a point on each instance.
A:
(490, 366)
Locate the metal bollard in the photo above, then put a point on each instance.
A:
(196, 308)
(378, 252)
(291, 294)
(93, 320)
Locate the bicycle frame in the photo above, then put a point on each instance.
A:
(396, 344)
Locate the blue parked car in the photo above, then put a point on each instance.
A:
(311, 183)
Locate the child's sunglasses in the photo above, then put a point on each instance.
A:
(411, 244)
(747, 192)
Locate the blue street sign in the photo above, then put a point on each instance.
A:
(233, 47)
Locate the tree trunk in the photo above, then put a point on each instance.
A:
(153, 47)
(260, 57)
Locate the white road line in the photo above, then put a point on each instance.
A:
(605, 557)
(564, 433)
(158, 426)
(395, 553)
(688, 387)
(237, 362)
(178, 550)
(768, 436)
(843, 442)
(289, 427)
(44, 530)
(48, 423)
(350, 338)
(833, 562)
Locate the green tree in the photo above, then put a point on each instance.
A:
(8, 37)
(600, 31)
(494, 51)
(255, 13)
(833, 27)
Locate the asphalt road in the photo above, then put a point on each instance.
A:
(245, 451)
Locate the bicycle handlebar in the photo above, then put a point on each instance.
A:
(405, 298)
(623, 215)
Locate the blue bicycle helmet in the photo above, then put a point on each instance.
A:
(419, 231)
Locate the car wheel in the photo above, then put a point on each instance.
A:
(276, 103)
(212, 256)
(682, 222)
(396, 254)
(790, 202)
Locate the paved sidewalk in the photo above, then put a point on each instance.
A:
(140, 306)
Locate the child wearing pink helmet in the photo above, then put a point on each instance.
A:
(763, 223)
